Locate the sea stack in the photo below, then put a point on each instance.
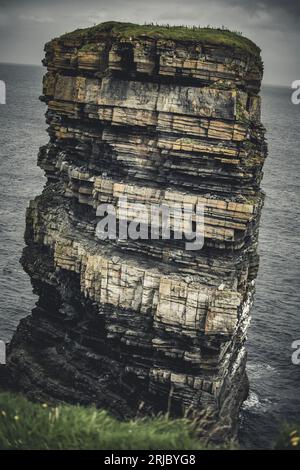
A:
(159, 115)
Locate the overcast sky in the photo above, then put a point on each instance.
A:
(25, 25)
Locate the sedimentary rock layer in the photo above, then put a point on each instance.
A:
(138, 326)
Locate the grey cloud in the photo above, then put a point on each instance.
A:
(292, 7)
(37, 19)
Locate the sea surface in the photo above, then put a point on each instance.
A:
(274, 380)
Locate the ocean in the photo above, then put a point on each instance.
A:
(274, 381)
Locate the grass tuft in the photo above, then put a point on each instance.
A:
(289, 438)
(26, 425)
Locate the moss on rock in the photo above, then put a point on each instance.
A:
(130, 31)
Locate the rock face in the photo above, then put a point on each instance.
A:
(140, 326)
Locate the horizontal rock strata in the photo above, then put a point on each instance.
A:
(141, 326)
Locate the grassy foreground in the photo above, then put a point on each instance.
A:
(25, 425)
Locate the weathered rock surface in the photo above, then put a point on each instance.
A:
(140, 326)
